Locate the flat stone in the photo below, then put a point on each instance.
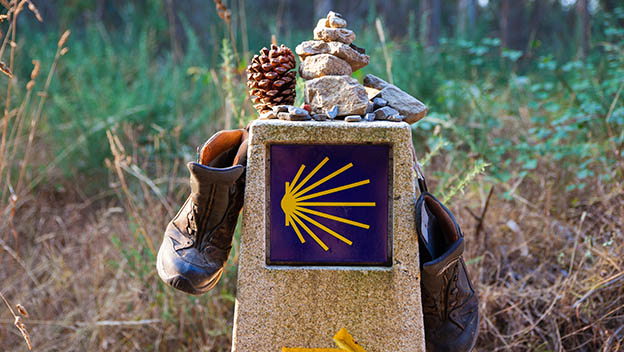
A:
(372, 93)
(353, 118)
(288, 117)
(335, 20)
(319, 117)
(373, 81)
(370, 107)
(385, 112)
(342, 35)
(411, 108)
(345, 93)
(379, 102)
(268, 115)
(346, 52)
(370, 116)
(323, 65)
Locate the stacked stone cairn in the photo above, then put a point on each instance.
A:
(327, 63)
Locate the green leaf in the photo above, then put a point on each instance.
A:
(512, 55)
(530, 164)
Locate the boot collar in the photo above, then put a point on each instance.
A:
(224, 176)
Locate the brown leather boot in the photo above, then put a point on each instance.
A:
(450, 306)
(198, 240)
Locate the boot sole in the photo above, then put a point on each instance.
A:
(183, 284)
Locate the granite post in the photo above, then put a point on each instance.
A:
(301, 298)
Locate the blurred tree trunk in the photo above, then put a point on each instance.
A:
(609, 5)
(535, 19)
(466, 17)
(430, 12)
(583, 30)
(173, 36)
(512, 24)
(322, 7)
(503, 20)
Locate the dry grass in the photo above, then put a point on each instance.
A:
(18, 122)
(549, 275)
(552, 282)
(86, 271)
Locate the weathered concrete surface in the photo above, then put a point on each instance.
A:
(304, 307)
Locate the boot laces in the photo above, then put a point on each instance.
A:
(191, 224)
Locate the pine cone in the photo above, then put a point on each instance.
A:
(269, 78)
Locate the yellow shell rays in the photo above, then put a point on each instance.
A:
(294, 206)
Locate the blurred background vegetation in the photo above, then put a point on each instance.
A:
(526, 112)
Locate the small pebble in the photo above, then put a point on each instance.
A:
(289, 117)
(319, 117)
(370, 116)
(333, 14)
(295, 111)
(385, 112)
(353, 118)
(280, 108)
(379, 102)
(300, 117)
(332, 113)
(370, 107)
(357, 48)
(306, 107)
(395, 118)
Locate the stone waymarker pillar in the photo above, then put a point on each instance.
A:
(328, 240)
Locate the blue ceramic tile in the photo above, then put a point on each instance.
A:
(328, 205)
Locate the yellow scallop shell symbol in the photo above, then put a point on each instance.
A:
(295, 204)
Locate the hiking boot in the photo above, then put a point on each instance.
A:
(198, 240)
(450, 306)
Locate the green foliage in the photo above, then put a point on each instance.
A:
(488, 103)
(109, 78)
(458, 186)
(514, 111)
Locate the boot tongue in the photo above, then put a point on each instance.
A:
(426, 245)
(437, 267)
(241, 155)
(434, 236)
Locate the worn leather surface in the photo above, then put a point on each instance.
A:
(450, 305)
(198, 239)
